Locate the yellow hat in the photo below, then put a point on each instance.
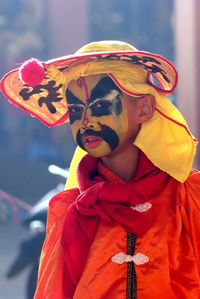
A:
(39, 87)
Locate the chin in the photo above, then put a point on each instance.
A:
(98, 153)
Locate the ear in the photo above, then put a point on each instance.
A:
(146, 108)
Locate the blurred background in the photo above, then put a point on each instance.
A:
(51, 28)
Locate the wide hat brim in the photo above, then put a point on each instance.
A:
(47, 101)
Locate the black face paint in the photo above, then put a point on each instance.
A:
(75, 107)
(98, 103)
(106, 107)
(103, 88)
(106, 133)
(103, 106)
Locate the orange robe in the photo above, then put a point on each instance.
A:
(171, 248)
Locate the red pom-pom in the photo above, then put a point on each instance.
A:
(32, 72)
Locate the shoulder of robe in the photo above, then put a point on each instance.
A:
(190, 190)
(60, 202)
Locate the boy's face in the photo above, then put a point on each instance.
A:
(98, 114)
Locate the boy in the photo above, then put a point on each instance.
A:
(129, 227)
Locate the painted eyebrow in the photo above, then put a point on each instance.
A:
(102, 89)
(72, 99)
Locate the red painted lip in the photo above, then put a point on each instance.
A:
(91, 141)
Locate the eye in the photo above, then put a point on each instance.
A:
(103, 104)
(75, 109)
(101, 107)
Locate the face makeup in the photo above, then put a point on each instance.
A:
(97, 113)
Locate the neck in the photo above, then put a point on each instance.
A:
(123, 164)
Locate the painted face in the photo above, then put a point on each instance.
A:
(97, 113)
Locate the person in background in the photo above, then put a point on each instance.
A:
(127, 226)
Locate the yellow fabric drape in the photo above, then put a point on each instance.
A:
(165, 139)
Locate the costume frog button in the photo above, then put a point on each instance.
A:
(138, 259)
(142, 207)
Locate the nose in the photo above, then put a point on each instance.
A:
(86, 121)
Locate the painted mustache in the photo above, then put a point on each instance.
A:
(106, 133)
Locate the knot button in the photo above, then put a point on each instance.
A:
(143, 207)
(137, 259)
